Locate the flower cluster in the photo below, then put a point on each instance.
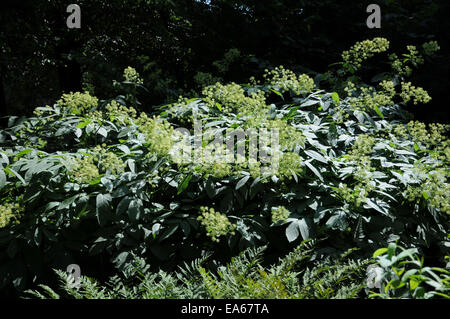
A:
(289, 136)
(359, 153)
(216, 224)
(362, 147)
(418, 94)
(282, 80)
(398, 66)
(368, 98)
(77, 103)
(431, 47)
(414, 55)
(83, 170)
(388, 87)
(159, 133)
(290, 163)
(107, 161)
(131, 75)
(280, 214)
(364, 50)
(434, 189)
(232, 98)
(213, 161)
(87, 169)
(119, 113)
(355, 195)
(433, 137)
(10, 214)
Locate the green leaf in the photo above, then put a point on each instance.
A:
(309, 103)
(377, 110)
(291, 113)
(78, 132)
(124, 148)
(169, 232)
(123, 205)
(292, 231)
(316, 156)
(335, 97)
(376, 207)
(102, 132)
(135, 209)
(24, 152)
(413, 284)
(132, 165)
(9, 170)
(255, 187)
(277, 93)
(314, 170)
(408, 274)
(184, 184)
(304, 229)
(210, 189)
(121, 259)
(103, 208)
(391, 249)
(242, 182)
(379, 252)
(83, 124)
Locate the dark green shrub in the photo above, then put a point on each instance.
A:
(96, 181)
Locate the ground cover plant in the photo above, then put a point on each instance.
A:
(101, 184)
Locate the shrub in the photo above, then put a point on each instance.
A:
(97, 181)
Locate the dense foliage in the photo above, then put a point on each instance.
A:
(96, 182)
(244, 277)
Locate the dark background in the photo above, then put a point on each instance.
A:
(168, 42)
